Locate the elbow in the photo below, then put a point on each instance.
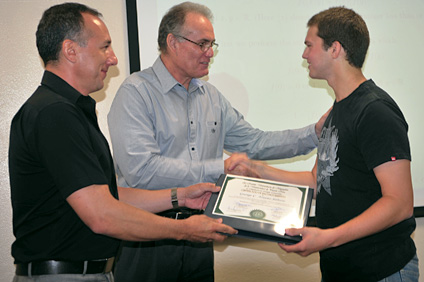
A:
(134, 181)
(98, 228)
(405, 212)
(409, 212)
(99, 225)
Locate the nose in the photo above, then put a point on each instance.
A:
(112, 60)
(209, 53)
(304, 55)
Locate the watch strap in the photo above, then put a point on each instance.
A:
(174, 199)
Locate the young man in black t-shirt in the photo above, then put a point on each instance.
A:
(362, 177)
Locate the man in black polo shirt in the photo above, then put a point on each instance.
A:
(67, 219)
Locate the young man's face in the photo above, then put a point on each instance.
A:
(317, 57)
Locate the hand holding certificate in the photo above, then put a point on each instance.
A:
(261, 209)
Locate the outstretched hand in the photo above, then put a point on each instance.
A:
(240, 164)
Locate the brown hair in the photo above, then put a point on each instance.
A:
(347, 27)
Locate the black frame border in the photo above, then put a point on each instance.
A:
(132, 28)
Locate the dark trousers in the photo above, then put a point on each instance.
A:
(165, 260)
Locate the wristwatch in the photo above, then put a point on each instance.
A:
(174, 199)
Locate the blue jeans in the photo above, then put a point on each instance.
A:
(409, 273)
(101, 277)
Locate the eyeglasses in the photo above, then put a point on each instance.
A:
(204, 46)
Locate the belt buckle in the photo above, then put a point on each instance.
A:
(177, 214)
(109, 265)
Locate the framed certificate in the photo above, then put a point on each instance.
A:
(261, 209)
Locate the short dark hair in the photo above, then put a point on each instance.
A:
(347, 27)
(58, 23)
(174, 20)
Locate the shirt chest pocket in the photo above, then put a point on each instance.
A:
(213, 133)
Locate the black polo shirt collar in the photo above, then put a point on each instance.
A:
(62, 88)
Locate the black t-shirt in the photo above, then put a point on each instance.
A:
(57, 148)
(362, 131)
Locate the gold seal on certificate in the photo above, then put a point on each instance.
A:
(261, 209)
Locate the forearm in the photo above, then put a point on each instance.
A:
(384, 213)
(395, 205)
(299, 177)
(129, 223)
(270, 145)
(152, 201)
(307, 178)
(159, 172)
(195, 197)
(104, 214)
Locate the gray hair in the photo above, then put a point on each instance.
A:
(174, 20)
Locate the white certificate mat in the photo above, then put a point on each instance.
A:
(261, 209)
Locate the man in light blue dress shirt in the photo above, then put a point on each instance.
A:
(169, 128)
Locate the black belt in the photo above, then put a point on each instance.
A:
(64, 267)
(180, 213)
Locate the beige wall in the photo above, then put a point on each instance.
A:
(20, 73)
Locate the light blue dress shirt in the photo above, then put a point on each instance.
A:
(165, 136)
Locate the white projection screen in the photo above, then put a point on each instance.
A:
(259, 67)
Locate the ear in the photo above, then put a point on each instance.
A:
(69, 50)
(172, 42)
(336, 49)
